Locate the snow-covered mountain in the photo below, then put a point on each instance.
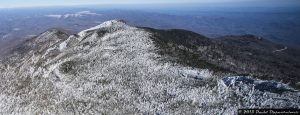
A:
(115, 68)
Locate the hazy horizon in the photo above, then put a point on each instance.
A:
(198, 3)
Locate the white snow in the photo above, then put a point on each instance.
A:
(115, 23)
(17, 29)
(73, 15)
(6, 36)
(120, 73)
(54, 16)
(62, 46)
(198, 74)
(280, 50)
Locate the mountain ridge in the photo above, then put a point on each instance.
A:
(246, 54)
(115, 68)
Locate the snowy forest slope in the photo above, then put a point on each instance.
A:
(115, 68)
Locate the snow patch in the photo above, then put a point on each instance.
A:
(17, 29)
(197, 74)
(62, 46)
(73, 15)
(280, 50)
(54, 16)
(111, 24)
(5, 36)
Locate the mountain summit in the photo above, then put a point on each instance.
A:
(114, 68)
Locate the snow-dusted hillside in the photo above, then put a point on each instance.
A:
(114, 68)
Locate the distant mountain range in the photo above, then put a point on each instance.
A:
(279, 27)
(115, 68)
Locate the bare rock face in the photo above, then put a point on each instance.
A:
(115, 68)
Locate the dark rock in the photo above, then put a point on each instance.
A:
(264, 86)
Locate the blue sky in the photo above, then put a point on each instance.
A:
(29, 3)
